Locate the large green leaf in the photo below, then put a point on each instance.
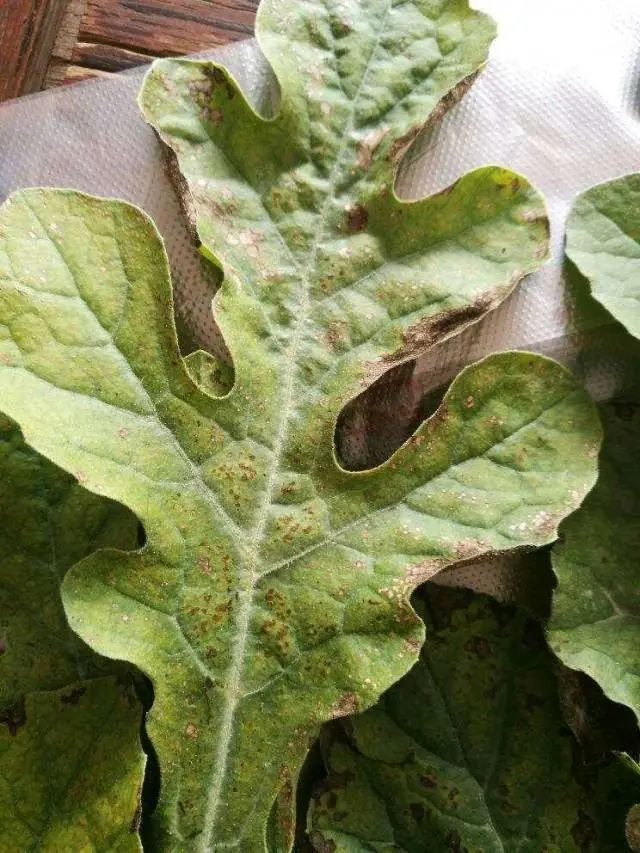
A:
(273, 590)
(469, 752)
(272, 593)
(71, 764)
(603, 240)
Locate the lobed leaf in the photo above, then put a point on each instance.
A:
(273, 590)
(71, 764)
(253, 635)
(469, 751)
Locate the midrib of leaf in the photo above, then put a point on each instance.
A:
(252, 573)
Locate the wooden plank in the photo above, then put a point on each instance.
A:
(65, 43)
(107, 57)
(28, 29)
(61, 73)
(167, 27)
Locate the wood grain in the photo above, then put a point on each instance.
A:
(98, 37)
(166, 27)
(28, 30)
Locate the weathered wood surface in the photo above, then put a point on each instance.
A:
(49, 42)
(28, 31)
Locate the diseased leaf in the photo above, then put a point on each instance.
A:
(48, 522)
(273, 590)
(595, 622)
(595, 619)
(603, 240)
(469, 752)
(71, 765)
(71, 771)
(272, 593)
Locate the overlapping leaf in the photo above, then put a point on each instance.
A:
(603, 240)
(71, 764)
(469, 752)
(272, 592)
(595, 624)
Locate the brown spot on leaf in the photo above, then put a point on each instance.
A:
(284, 803)
(14, 717)
(320, 843)
(336, 333)
(424, 571)
(74, 696)
(191, 730)
(467, 549)
(204, 564)
(428, 781)
(134, 826)
(413, 644)
(357, 219)
(345, 705)
(429, 331)
(402, 143)
(219, 78)
(479, 646)
(183, 193)
(368, 147)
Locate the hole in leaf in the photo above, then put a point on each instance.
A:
(373, 425)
